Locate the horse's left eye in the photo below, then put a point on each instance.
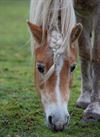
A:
(72, 68)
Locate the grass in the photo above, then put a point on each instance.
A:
(21, 112)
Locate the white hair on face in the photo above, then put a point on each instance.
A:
(46, 12)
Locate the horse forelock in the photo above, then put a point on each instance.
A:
(46, 14)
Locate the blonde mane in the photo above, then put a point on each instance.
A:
(45, 13)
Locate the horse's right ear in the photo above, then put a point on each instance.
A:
(37, 32)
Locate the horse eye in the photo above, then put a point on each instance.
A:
(73, 67)
(41, 68)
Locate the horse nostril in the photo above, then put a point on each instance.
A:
(67, 117)
(50, 119)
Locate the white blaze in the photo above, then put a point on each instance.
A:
(59, 66)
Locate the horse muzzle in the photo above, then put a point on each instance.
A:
(58, 122)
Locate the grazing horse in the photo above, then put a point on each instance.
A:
(55, 34)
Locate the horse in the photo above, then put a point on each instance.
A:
(60, 30)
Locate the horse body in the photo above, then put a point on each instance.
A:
(56, 34)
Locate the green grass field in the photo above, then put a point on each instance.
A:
(21, 112)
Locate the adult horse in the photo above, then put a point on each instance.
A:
(54, 27)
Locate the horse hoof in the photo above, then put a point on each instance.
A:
(88, 119)
(82, 105)
(92, 112)
(83, 100)
(91, 118)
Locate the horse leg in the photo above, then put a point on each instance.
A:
(93, 109)
(85, 96)
(85, 55)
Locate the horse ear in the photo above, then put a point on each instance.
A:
(76, 32)
(37, 32)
